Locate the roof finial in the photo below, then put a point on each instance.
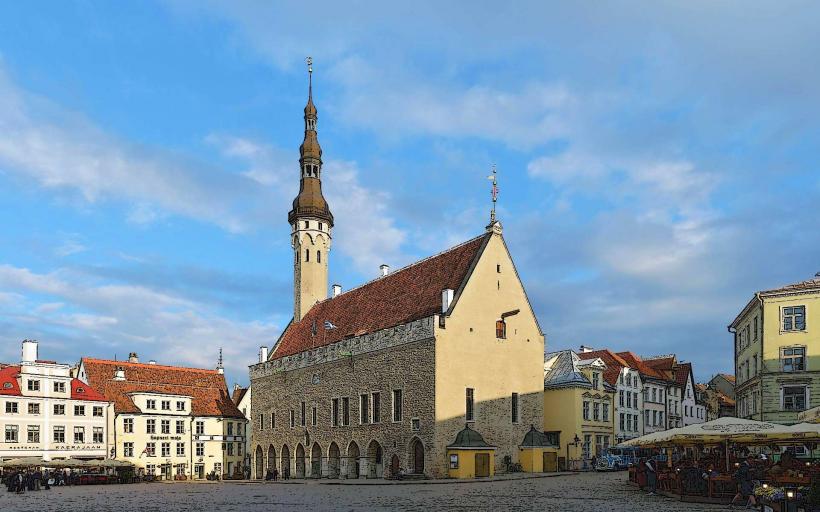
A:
(493, 193)
(309, 61)
(219, 366)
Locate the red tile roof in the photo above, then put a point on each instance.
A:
(809, 284)
(207, 388)
(408, 294)
(79, 391)
(638, 363)
(730, 378)
(8, 381)
(238, 394)
(614, 363)
(682, 372)
(82, 391)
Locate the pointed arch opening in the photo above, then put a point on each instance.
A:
(259, 464)
(353, 456)
(316, 461)
(300, 461)
(333, 460)
(285, 462)
(416, 457)
(375, 460)
(271, 461)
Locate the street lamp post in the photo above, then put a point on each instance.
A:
(574, 443)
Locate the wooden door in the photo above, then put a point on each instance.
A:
(418, 458)
(550, 462)
(482, 464)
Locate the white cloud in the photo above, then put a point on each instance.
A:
(120, 318)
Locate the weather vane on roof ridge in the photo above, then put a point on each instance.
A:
(494, 193)
(309, 61)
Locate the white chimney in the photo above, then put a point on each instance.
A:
(263, 354)
(385, 269)
(220, 370)
(152, 362)
(584, 349)
(30, 351)
(337, 290)
(132, 358)
(446, 299)
(119, 374)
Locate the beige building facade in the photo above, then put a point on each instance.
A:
(170, 422)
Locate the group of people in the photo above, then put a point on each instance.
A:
(24, 480)
(273, 475)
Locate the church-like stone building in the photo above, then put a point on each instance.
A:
(383, 377)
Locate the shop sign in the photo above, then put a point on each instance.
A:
(166, 438)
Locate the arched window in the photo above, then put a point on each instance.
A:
(318, 256)
(307, 254)
(500, 329)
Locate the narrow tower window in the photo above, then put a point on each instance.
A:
(318, 256)
(307, 224)
(307, 254)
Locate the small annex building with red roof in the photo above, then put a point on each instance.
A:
(170, 421)
(386, 375)
(48, 413)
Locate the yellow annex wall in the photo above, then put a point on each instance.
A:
(469, 355)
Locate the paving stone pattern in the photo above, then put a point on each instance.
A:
(572, 493)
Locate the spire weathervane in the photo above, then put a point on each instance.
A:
(494, 193)
(309, 61)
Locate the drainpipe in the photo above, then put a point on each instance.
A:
(762, 366)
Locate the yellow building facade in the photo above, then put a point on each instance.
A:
(579, 404)
(172, 423)
(777, 353)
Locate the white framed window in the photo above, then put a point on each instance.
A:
(794, 318)
(200, 449)
(166, 405)
(79, 410)
(128, 449)
(794, 398)
(97, 411)
(793, 359)
(596, 411)
(128, 425)
(79, 435)
(180, 405)
(59, 409)
(59, 387)
(33, 385)
(586, 410)
(151, 404)
(12, 433)
(200, 428)
(59, 434)
(97, 435)
(34, 408)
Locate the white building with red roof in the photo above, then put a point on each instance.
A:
(48, 413)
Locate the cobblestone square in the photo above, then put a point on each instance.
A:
(571, 493)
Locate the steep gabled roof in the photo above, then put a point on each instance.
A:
(238, 394)
(682, 373)
(614, 363)
(561, 371)
(207, 388)
(408, 294)
(644, 369)
(729, 378)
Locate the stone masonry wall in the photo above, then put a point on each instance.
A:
(399, 359)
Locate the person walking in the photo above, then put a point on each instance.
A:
(745, 484)
(651, 476)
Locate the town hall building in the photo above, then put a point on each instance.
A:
(435, 369)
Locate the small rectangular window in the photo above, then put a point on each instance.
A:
(377, 407)
(470, 404)
(303, 417)
(364, 409)
(793, 359)
(261, 422)
(794, 398)
(59, 387)
(292, 418)
(334, 412)
(314, 417)
(128, 425)
(345, 411)
(500, 329)
(397, 405)
(34, 385)
(273, 420)
(59, 434)
(514, 410)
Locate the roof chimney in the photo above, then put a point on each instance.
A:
(263, 354)
(337, 290)
(584, 349)
(119, 374)
(152, 362)
(132, 358)
(446, 299)
(30, 351)
(385, 269)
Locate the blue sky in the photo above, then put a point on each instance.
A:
(658, 163)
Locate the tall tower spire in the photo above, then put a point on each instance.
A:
(310, 219)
